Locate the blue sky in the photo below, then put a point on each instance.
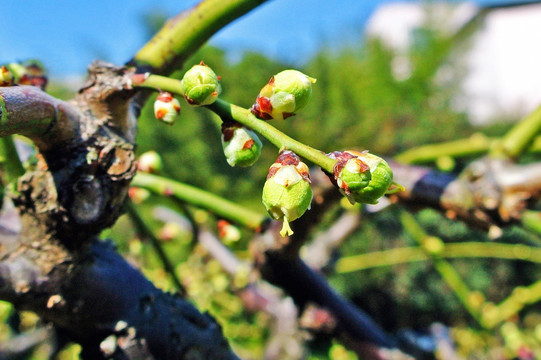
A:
(68, 35)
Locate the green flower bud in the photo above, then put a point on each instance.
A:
(166, 108)
(361, 177)
(150, 162)
(31, 72)
(200, 85)
(287, 193)
(241, 145)
(286, 93)
(6, 77)
(16, 69)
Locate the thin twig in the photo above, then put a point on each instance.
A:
(144, 231)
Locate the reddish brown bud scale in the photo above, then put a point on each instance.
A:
(138, 79)
(303, 171)
(165, 97)
(160, 113)
(285, 115)
(248, 144)
(287, 157)
(221, 227)
(228, 129)
(256, 110)
(342, 157)
(273, 170)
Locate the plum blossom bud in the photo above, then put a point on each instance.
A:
(31, 72)
(6, 77)
(286, 93)
(150, 162)
(166, 108)
(200, 85)
(169, 232)
(287, 193)
(138, 195)
(241, 145)
(362, 177)
(228, 232)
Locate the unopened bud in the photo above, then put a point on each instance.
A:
(286, 93)
(362, 177)
(170, 231)
(228, 233)
(200, 85)
(166, 108)
(287, 193)
(150, 162)
(6, 77)
(241, 145)
(138, 195)
(30, 72)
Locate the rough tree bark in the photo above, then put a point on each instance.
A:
(77, 186)
(56, 266)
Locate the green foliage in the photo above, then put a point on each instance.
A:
(358, 102)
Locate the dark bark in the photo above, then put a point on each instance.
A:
(56, 267)
(488, 192)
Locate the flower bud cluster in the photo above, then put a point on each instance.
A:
(31, 72)
(241, 145)
(287, 193)
(200, 85)
(286, 93)
(166, 108)
(362, 177)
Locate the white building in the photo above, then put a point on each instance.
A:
(504, 61)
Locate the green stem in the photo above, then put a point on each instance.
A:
(9, 159)
(450, 251)
(182, 35)
(520, 137)
(229, 111)
(232, 112)
(433, 247)
(474, 145)
(200, 198)
(477, 144)
(162, 83)
(518, 300)
(145, 231)
(531, 220)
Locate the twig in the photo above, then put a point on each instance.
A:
(145, 231)
(320, 249)
(449, 251)
(432, 246)
(520, 137)
(200, 198)
(22, 344)
(182, 35)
